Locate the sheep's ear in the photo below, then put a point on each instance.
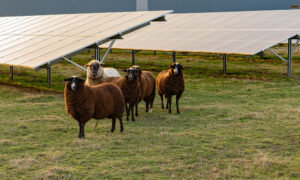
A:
(101, 64)
(66, 80)
(181, 67)
(124, 70)
(80, 80)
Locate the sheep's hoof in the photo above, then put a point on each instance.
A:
(80, 137)
(112, 130)
(121, 130)
(150, 111)
(133, 119)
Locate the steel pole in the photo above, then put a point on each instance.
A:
(97, 53)
(289, 69)
(49, 75)
(174, 57)
(225, 63)
(133, 57)
(11, 73)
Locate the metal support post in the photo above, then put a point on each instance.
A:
(174, 57)
(133, 57)
(289, 69)
(11, 73)
(49, 75)
(97, 53)
(154, 52)
(225, 63)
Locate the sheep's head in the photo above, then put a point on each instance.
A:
(74, 83)
(132, 73)
(176, 68)
(95, 69)
(138, 69)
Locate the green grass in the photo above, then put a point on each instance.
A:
(244, 125)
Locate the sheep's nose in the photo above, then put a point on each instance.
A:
(176, 71)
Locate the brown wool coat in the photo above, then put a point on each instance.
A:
(130, 89)
(168, 84)
(102, 101)
(148, 86)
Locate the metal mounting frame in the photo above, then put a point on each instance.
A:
(72, 62)
(108, 49)
(291, 50)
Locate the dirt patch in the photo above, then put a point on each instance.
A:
(31, 90)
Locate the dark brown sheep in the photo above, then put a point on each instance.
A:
(148, 88)
(129, 84)
(84, 102)
(170, 82)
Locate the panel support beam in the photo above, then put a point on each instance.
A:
(289, 69)
(108, 50)
(174, 57)
(278, 55)
(49, 79)
(11, 73)
(97, 53)
(70, 61)
(225, 56)
(133, 57)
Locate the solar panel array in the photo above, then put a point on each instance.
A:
(247, 32)
(33, 41)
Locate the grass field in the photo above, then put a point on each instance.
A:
(244, 125)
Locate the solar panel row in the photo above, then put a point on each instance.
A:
(33, 41)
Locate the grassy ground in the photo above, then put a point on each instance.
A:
(242, 125)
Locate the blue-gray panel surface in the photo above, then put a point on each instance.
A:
(44, 7)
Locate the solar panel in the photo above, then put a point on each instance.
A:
(33, 41)
(246, 32)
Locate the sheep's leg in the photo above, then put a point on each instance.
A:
(121, 124)
(127, 112)
(167, 102)
(151, 104)
(147, 105)
(81, 130)
(170, 102)
(113, 124)
(132, 112)
(136, 109)
(177, 99)
(162, 100)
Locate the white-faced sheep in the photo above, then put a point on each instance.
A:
(170, 82)
(129, 84)
(84, 102)
(148, 88)
(96, 74)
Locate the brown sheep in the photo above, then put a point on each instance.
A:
(129, 84)
(148, 88)
(85, 102)
(170, 82)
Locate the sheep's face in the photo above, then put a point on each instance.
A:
(176, 68)
(94, 68)
(74, 83)
(132, 73)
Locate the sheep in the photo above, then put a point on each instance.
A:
(129, 84)
(96, 74)
(170, 82)
(84, 102)
(148, 88)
